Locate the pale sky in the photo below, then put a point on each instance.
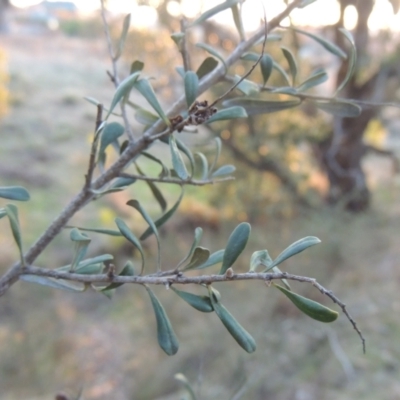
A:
(321, 12)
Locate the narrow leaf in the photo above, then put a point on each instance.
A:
(246, 86)
(266, 64)
(340, 108)
(122, 39)
(352, 61)
(285, 90)
(250, 57)
(177, 161)
(213, 52)
(126, 232)
(165, 334)
(109, 232)
(256, 106)
(14, 193)
(12, 213)
(123, 89)
(136, 66)
(215, 258)
(199, 257)
(82, 242)
(315, 79)
(91, 269)
(53, 283)
(146, 90)
(200, 303)
(155, 191)
(260, 257)
(214, 11)
(224, 170)
(242, 337)
(164, 171)
(110, 134)
(3, 212)
(236, 244)
(204, 165)
(135, 204)
(182, 378)
(218, 145)
(292, 63)
(310, 307)
(191, 82)
(228, 113)
(180, 71)
(122, 183)
(208, 65)
(293, 249)
(198, 234)
(177, 37)
(332, 48)
(163, 219)
(237, 19)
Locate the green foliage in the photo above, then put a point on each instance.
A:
(163, 127)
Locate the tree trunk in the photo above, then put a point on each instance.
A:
(342, 153)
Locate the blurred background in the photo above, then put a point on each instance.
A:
(293, 179)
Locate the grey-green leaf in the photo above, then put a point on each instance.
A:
(242, 337)
(198, 234)
(208, 65)
(260, 257)
(128, 234)
(199, 257)
(14, 193)
(82, 242)
(276, 270)
(228, 113)
(212, 51)
(200, 303)
(246, 86)
(122, 39)
(136, 66)
(110, 134)
(224, 170)
(310, 307)
(123, 90)
(177, 161)
(146, 90)
(53, 283)
(3, 212)
(315, 79)
(163, 219)
(165, 334)
(12, 213)
(332, 48)
(236, 244)
(339, 108)
(214, 11)
(135, 204)
(237, 19)
(204, 165)
(182, 378)
(352, 61)
(292, 63)
(257, 106)
(109, 232)
(177, 37)
(218, 145)
(266, 64)
(293, 249)
(191, 82)
(215, 258)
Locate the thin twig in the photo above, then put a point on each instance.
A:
(185, 280)
(230, 90)
(93, 150)
(114, 75)
(177, 181)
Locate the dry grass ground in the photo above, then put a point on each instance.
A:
(53, 341)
